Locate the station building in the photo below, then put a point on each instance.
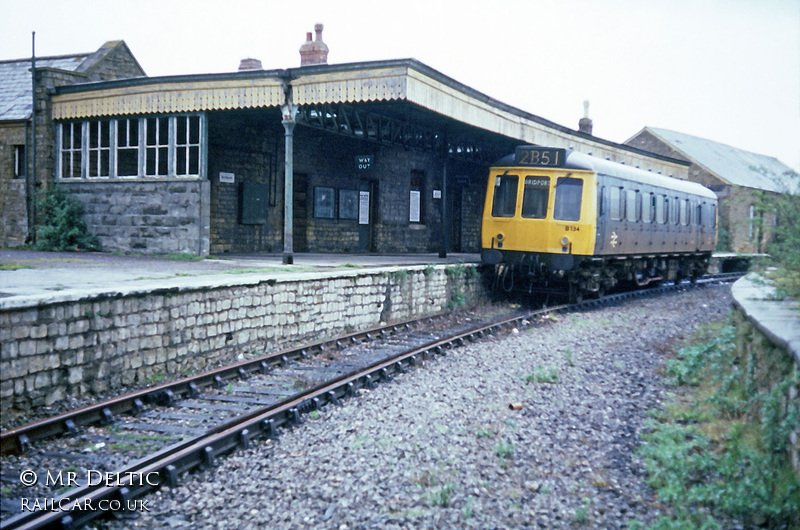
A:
(382, 156)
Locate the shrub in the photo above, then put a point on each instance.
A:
(62, 226)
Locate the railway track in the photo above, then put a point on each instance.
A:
(112, 454)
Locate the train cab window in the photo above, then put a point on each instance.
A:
(504, 202)
(535, 197)
(567, 205)
(616, 203)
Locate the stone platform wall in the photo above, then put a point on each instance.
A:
(111, 340)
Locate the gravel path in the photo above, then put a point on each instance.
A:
(441, 448)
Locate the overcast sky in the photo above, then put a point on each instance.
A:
(726, 70)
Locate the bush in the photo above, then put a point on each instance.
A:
(62, 226)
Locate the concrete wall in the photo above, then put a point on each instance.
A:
(76, 347)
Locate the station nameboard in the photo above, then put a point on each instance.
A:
(526, 155)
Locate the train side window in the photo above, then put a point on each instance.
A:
(699, 215)
(685, 212)
(504, 202)
(649, 207)
(535, 197)
(676, 211)
(713, 216)
(567, 205)
(633, 205)
(661, 209)
(616, 203)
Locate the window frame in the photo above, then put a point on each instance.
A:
(535, 189)
(156, 157)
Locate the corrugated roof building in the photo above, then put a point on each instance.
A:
(745, 183)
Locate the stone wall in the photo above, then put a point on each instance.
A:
(768, 352)
(156, 217)
(110, 341)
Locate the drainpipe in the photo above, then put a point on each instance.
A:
(289, 112)
(31, 177)
(445, 220)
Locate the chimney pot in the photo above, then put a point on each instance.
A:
(585, 124)
(315, 52)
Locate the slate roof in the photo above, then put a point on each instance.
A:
(735, 166)
(15, 82)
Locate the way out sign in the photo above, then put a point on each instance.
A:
(364, 162)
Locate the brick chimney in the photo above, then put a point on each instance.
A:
(314, 52)
(585, 124)
(250, 64)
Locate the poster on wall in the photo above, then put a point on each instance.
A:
(348, 204)
(413, 213)
(324, 202)
(363, 208)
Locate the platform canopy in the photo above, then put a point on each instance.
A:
(398, 101)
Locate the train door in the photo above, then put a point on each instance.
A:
(300, 213)
(367, 214)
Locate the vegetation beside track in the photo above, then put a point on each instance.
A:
(719, 448)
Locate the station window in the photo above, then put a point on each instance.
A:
(156, 157)
(567, 206)
(71, 150)
(168, 146)
(616, 203)
(20, 162)
(127, 148)
(504, 202)
(535, 197)
(187, 145)
(99, 149)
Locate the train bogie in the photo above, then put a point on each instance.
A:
(562, 222)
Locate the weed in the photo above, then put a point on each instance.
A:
(484, 433)
(441, 497)
(428, 270)
(229, 388)
(504, 450)
(468, 510)
(721, 445)
(549, 374)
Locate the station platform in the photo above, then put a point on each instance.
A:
(35, 277)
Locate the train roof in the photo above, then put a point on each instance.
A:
(581, 161)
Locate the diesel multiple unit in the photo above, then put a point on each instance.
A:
(565, 223)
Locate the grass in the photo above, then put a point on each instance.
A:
(543, 374)
(718, 449)
(14, 266)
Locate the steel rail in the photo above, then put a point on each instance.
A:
(19, 439)
(203, 450)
